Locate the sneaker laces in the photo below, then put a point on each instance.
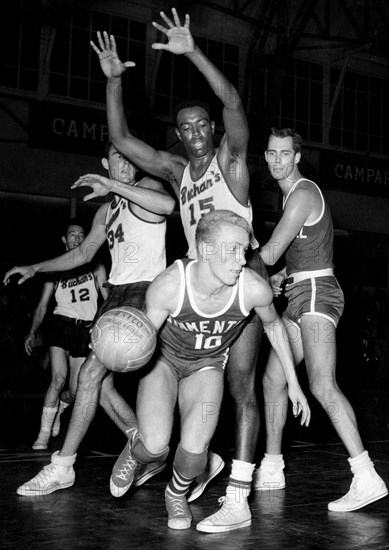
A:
(44, 475)
(131, 433)
(178, 505)
(127, 468)
(226, 508)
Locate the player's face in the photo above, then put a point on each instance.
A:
(227, 257)
(280, 157)
(120, 168)
(195, 130)
(74, 236)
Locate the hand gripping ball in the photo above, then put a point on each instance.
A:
(123, 339)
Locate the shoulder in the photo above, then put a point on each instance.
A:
(257, 291)
(102, 212)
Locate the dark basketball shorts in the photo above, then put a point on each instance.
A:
(182, 368)
(132, 295)
(314, 296)
(70, 334)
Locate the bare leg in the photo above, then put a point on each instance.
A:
(241, 370)
(118, 410)
(319, 343)
(59, 372)
(276, 392)
(91, 376)
(75, 363)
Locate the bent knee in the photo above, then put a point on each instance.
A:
(92, 372)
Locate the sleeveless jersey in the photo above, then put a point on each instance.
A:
(190, 334)
(137, 246)
(312, 249)
(210, 192)
(76, 297)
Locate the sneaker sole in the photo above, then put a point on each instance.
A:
(223, 528)
(39, 447)
(179, 524)
(42, 492)
(201, 488)
(141, 480)
(117, 491)
(360, 505)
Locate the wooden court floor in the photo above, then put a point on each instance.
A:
(87, 516)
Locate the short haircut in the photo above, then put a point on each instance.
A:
(288, 132)
(210, 225)
(108, 146)
(187, 104)
(73, 221)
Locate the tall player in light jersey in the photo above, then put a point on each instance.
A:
(134, 225)
(207, 179)
(68, 336)
(315, 304)
(204, 303)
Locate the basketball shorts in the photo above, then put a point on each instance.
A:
(132, 295)
(184, 367)
(314, 296)
(70, 334)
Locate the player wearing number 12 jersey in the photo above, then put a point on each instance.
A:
(68, 335)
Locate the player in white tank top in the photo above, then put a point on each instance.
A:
(76, 304)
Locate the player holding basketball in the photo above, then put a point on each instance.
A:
(205, 303)
(208, 179)
(134, 225)
(76, 305)
(315, 304)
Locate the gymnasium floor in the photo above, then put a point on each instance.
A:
(87, 516)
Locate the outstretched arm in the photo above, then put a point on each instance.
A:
(38, 316)
(76, 257)
(155, 162)
(148, 194)
(180, 41)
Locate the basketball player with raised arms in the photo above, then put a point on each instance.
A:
(208, 179)
(75, 297)
(315, 303)
(204, 302)
(134, 225)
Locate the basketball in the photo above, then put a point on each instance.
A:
(123, 339)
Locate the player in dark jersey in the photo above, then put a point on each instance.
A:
(204, 303)
(315, 304)
(68, 335)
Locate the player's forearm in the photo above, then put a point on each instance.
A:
(117, 122)
(279, 341)
(37, 319)
(70, 260)
(220, 85)
(271, 252)
(155, 201)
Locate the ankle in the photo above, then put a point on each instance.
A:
(63, 461)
